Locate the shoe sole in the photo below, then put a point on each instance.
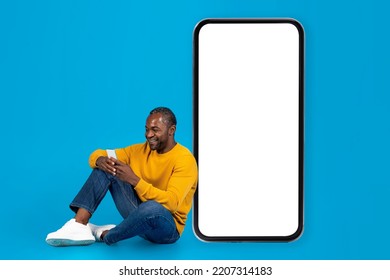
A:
(68, 242)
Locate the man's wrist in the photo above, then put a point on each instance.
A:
(134, 181)
(97, 161)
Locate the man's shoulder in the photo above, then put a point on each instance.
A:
(184, 158)
(183, 151)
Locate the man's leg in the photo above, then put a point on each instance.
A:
(91, 194)
(150, 220)
(77, 231)
(125, 197)
(126, 201)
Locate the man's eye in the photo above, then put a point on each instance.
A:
(152, 129)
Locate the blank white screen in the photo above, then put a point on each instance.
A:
(248, 136)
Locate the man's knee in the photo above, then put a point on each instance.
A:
(151, 208)
(96, 172)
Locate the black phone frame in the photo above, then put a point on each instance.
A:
(196, 32)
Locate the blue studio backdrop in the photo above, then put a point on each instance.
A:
(81, 75)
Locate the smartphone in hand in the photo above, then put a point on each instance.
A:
(111, 153)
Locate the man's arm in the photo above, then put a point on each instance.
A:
(95, 155)
(183, 179)
(99, 159)
(124, 172)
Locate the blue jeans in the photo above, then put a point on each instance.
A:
(148, 219)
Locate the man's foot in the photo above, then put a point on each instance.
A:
(71, 234)
(98, 230)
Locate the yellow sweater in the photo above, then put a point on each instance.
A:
(169, 178)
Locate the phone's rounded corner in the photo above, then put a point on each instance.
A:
(199, 235)
(200, 24)
(297, 24)
(296, 235)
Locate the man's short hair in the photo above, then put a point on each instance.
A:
(168, 116)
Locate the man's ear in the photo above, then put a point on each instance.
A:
(172, 130)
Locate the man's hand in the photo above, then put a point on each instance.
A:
(118, 169)
(106, 164)
(125, 173)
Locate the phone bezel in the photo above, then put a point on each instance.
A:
(300, 29)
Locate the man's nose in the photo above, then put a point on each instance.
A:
(149, 133)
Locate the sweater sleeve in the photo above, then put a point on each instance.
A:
(182, 180)
(95, 155)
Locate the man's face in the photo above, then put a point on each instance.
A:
(157, 132)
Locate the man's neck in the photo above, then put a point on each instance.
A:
(169, 147)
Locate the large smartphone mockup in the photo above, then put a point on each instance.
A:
(249, 129)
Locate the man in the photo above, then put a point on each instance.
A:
(152, 185)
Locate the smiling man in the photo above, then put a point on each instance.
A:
(152, 185)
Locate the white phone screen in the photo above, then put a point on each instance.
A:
(111, 153)
(248, 105)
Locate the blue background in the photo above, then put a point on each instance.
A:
(81, 75)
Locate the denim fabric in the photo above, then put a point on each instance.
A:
(148, 219)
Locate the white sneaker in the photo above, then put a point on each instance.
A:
(71, 234)
(98, 230)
